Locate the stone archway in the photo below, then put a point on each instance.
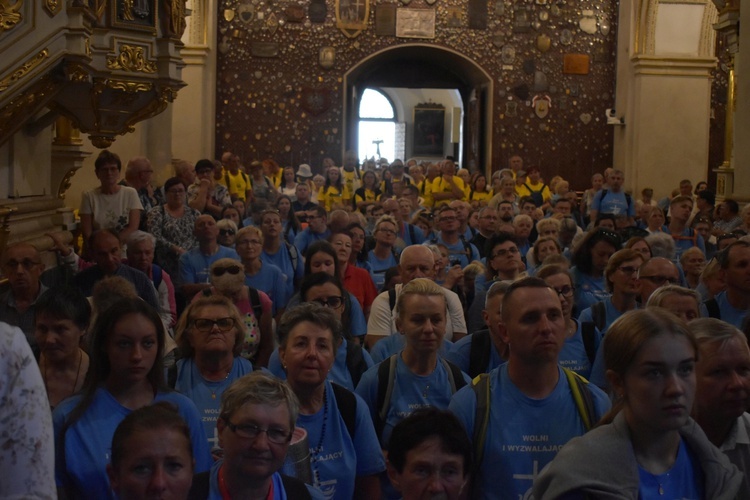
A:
(426, 66)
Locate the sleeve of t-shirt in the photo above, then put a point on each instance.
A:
(701, 244)
(459, 353)
(456, 312)
(418, 235)
(189, 413)
(596, 203)
(474, 253)
(187, 272)
(367, 389)
(597, 376)
(369, 454)
(357, 317)
(631, 207)
(463, 405)
(379, 323)
(132, 202)
(87, 206)
(602, 403)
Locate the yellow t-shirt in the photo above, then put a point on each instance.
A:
(439, 185)
(540, 186)
(330, 196)
(425, 192)
(480, 196)
(351, 183)
(238, 185)
(276, 178)
(370, 197)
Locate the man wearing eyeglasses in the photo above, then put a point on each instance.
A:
(487, 226)
(138, 175)
(654, 273)
(22, 265)
(195, 264)
(317, 229)
(407, 233)
(461, 252)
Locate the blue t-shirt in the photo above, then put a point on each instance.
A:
(271, 280)
(686, 240)
(460, 355)
(336, 458)
(391, 344)
(194, 266)
(681, 481)
(727, 311)
(458, 251)
(279, 493)
(613, 203)
(410, 392)
(573, 354)
(612, 313)
(406, 234)
(289, 233)
(523, 434)
(207, 394)
(379, 267)
(589, 290)
(339, 373)
(283, 260)
(305, 238)
(82, 463)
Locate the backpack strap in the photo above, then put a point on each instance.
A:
(412, 234)
(391, 298)
(386, 379)
(455, 375)
(588, 329)
(713, 308)
(582, 397)
(255, 302)
(479, 354)
(294, 488)
(481, 387)
(346, 402)
(599, 315)
(355, 362)
(293, 255)
(629, 200)
(467, 248)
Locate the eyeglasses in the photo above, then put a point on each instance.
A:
(659, 280)
(226, 232)
(566, 291)
(26, 264)
(505, 251)
(387, 231)
(252, 431)
(219, 271)
(629, 270)
(176, 191)
(206, 325)
(248, 242)
(447, 219)
(331, 302)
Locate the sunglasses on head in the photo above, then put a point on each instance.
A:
(219, 271)
(226, 232)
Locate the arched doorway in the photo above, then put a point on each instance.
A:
(427, 66)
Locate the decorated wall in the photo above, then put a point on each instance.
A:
(281, 67)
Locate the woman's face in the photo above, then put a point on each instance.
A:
(334, 174)
(322, 262)
(156, 463)
(249, 246)
(108, 174)
(289, 175)
(642, 248)
(597, 181)
(659, 386)
(57, 338)
(550, 232)
(625, 277)
(693, 264)
(176, 195)
(424, 226)
(423, 323)
(547, 248)
(327, 295)
(509, 185)
(523, 229)
(481, 183)
(358, 239)
(342, 243)
(271, 226)
(368, 180)
(283, 206)
(386, 233)
(308, 354)
(682, 306)
(239, 205)
(564, 287)
(656, 219)
(131, 349)
(600, 254)
(208, 333)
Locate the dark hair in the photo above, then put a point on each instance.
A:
(313, 313)
(291, 217)
(708, 196)
(232, 207)
(582, 253)
(158, 417)
(106, 157)
(339, 183)
(601, 217)
(99, 233)
(425, 424)
(732, 205)
(475, 179)
(65, 302)
(321, 246)
(99, 366)
(171, 182)
(722, 257)
(529, 282)
(320, 279)
(204, 164)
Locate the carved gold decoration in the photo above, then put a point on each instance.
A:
(87, 47)
(65, 183)
(66, 134)
(23, 70)
(52, 7)
(15, 114)
(78, 74)
(9, 14)
(131, 58)
(102, 141)
(127, 10)
(129, 87)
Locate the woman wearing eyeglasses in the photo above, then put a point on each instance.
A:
(345, 455)
(575, 352)
(210, 335)
(228, 279)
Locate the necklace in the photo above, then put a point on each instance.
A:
(315, 452)
(426, 391)
(78, 374)
(220, 386)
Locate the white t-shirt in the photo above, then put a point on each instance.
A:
(382, 320)
(110, 211)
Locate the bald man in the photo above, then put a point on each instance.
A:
(22, 265)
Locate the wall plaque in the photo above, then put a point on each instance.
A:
(415, 23)
(264, 49)
(385, 20)
(576, 64)
(477, 14)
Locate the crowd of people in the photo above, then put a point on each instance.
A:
(404, 330)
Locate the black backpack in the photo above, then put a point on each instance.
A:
(479, 355)
(588, 329)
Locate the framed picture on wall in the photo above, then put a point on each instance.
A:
(429, 130)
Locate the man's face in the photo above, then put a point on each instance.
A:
(433, 170)
(505, 259)
(686, 189)
(107, 253)
(737, 274)
(681, 210)
(657, 272)
(562, 207)
(303, 192)
(430, 473)
(615, 181)
(405, 207)
(254, 458)
(317, 222)
(417, 263)
(462, 210)
(206, 229)
(528, 208)
(534, 326)
(505, 212)
(448, 169)
(488, 220)
(23, 267)
(534, 176)
(515, 163)
(141, 256)
(449, 221)
(723, 380)
(386, 233)
(392, 208)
